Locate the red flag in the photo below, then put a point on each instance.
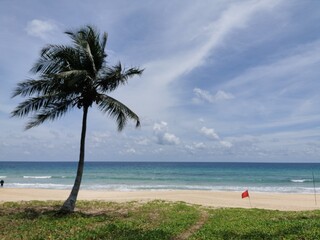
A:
(245, 194)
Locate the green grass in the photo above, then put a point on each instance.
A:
(153, 220)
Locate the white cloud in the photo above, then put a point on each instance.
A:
(209, 133)
(221, 95)
(199, 145)
(143, 141)
(131, 150)
(40, 28)
(160, 127)
(99, 137)
(195, 146)
(170, 139)
(203, 95)
(226, 144)
(160, 131)
(128, 151)
(201, 120)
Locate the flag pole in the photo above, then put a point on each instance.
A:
(246, 194)
(314, 189)
(250, 201)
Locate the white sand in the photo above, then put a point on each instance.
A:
(276, 201)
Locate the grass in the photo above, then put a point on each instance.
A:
(152, 220)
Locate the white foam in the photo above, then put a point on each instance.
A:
(37, 177)
(124, 187)
(1, 177)
(300, 180)
(159, 187)
(39, 185)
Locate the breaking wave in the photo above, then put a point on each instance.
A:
(37, 177)
(300, 180)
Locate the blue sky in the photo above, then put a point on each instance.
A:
(223, 81)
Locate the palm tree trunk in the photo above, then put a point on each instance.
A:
(70, 203)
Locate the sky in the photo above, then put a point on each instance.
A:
(224, 80)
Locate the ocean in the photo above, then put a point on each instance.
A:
(135, 176)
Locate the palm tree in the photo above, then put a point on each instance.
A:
(74, 76)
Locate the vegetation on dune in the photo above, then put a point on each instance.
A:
(75, 76)
(152, 220)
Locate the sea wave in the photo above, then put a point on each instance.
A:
(300, 180)
(167, 187)
(1, 177)
(57, 177)
(277, 189)
(39, 185)
(37, 177)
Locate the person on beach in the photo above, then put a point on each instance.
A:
(1, 182)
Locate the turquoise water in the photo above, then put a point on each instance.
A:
(132, 176)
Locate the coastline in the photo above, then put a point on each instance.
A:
(215, 199)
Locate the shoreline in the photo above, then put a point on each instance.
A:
(215, 199)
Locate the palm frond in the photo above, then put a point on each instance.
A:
(31, 86)
(40, 102)
(88, 39)
(91, 58)
(56, 58)
(117, 110)
(114, 76)
(72, 74)
(30, 105)
(51, 112)
(96, 47)
(104, 42)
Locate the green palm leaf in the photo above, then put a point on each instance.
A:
(33, 87)
(117, 110)
(114, 76)
(51, 112)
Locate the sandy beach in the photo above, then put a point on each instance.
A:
(275, 201)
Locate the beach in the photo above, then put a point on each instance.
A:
(215, 199)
